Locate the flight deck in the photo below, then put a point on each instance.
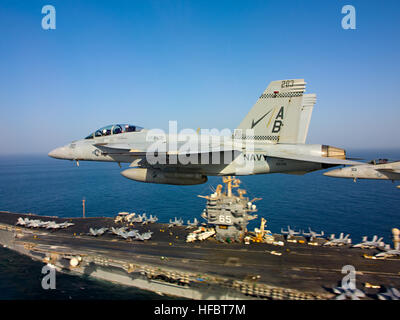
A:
(169, 265)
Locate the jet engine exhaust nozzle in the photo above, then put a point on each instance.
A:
(333, 152)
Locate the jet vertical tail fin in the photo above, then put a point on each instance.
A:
(305, 116)
(280, 115)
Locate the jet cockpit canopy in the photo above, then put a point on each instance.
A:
(114, 129)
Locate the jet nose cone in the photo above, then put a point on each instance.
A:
(332, 173)
(58, 153)
(52, 153)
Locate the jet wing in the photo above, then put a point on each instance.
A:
(389, 170)
(390, 167)
(309, 158)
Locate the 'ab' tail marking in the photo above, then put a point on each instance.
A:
(278, 123)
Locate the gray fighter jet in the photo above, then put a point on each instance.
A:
(270, 139)
(132, 234)
(137, 219)
(34, 224)
(97, 232)
(118, 231)
(312, 234)
(377, 170)
(348, 293)
(52, 225)
(22, 221)
(193, 224)
(121, 232)
(390, 294)
(290, 233)
(374, 243)
(45, 224)
(123, 235)
(143, 236)
(42, 224)
(175, 223)
(66, 224)
(342, 240)
(151, 219)
(388, 253)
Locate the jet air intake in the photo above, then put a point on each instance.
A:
(333, 152)
(158, 176)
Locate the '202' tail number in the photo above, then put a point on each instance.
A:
(287, 83)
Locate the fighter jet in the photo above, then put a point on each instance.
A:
(94, 232)
(348, 293)
(388, 253)
(97, 232)
(193, 224)
(151, 219)
(342, 240)
(145, 220)
(44, 224)
(390, 294)
(66, 224)
(175, 223)
(290, 233)
(312, 234)
(378, 170)
(270, 139)
(137, 219)
(132, 233)
(374, 243)
(53, 225)
(121, 232)
(31, 223)
(144, 236)
(22, 221)
(118, 231)
(34, 224)
(147, 235)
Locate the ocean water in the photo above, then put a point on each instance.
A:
(45, 186)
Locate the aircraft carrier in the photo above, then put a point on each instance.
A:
(232, 263)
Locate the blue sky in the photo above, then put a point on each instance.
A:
(202, 63)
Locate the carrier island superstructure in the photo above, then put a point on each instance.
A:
(229, 213)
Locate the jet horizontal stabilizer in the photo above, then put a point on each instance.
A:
(388, 170)
(309, 158)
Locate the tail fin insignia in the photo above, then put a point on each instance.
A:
(280, 115)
